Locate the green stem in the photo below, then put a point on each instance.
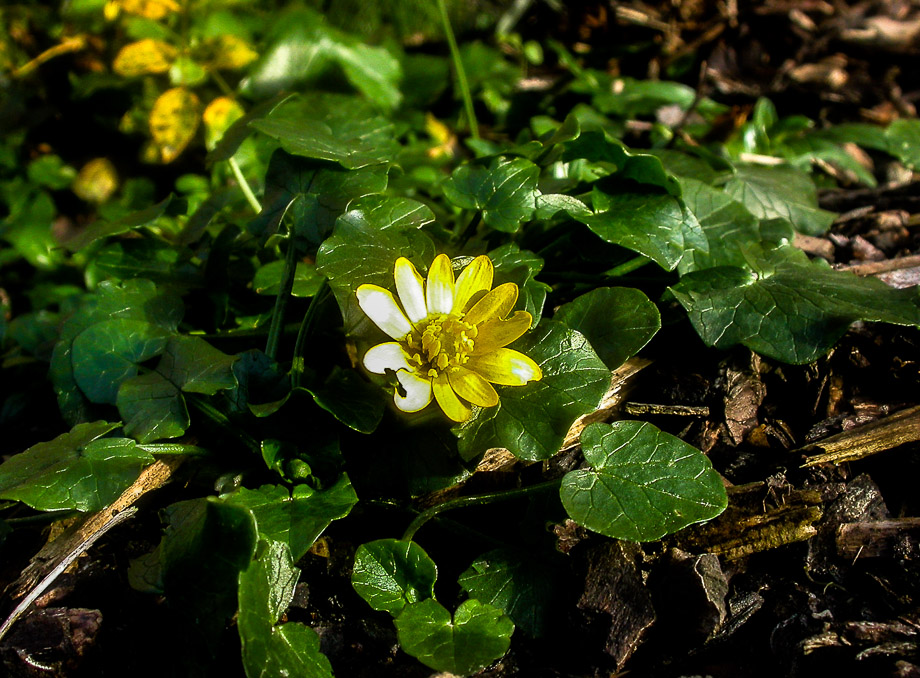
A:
(462, 83)
(475, 500)
(628, 266)
(284, 293)
(467, 232)
(174, 448)
(244, 186)
(40, 518)
(221, 420)
(297, 364)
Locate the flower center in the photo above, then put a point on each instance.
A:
(440, 342)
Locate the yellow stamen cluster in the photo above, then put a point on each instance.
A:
(442, 342)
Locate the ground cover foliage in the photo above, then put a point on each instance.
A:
(402, 338)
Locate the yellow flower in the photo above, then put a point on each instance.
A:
(450, 336)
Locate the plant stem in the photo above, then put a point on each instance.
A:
(628, 266)
(297, 364)
(244, 186)
(284, 293)
(467, 232)
(40, 518)
(462, 83)
(174, 448)
(475, 500)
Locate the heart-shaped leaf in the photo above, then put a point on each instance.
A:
(390, 574)
(643, 484)
(505, 191)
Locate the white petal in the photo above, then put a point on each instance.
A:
(388, 356)
(418, 392)
(381, 307)
(410, 290)
(440, 288)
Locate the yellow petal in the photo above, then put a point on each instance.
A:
(448, 400)
(381, 307)
(497, 333)
(476, 277)
(506, 366)
(495, 304)
(417, 392)
(410, 289)
(388, 356)
(470, 386)
(439, 291)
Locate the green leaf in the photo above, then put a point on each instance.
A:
(205, 547)
(360, 252)
(353, 401)
(385, 211)
(780, 192)
(531, 421)
(656, 225)
(785, 306)
(51, 172)
(152, 408)
(641, 167)
(296, 519)
(169, 206)
(77, 470)
(28, 226)
(618, 321)
(548, 205)
(107, 353)
(477, 635)
(353, 142)
(517, 582)
(313, 192)
(643, 484)
(266, 588)
(728, 225)
(307, 281)
(152, 405)
(390, 574)
(131, 300)
(512, 264)
(505, 191)
(903, 137)
(140, 258)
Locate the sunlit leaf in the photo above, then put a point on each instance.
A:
(144, 57)
(97, 181)
(390, 574)
(643, 483)
(174, 120)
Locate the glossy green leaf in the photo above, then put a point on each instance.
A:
(641, 167)
(785, 306)
(903, 137)
(136, 300)
(169, 206)
(27, 227)
(353, 401)
(505, 191)
(531, 421)
(206, 545)
(266, 588)
(512, 264)
(386, 211)
(548, 205)
(140, 258)
(152, 405)
(390, 574)
(307, 281)
(107, 353)
(618, 321)
(296, 518)
(352, 142)
(313, 193)
(359, 252)
(79, 470)
(643, 483)
(521, 584)
(780, 192)
(477, 635)
(728, 226)
(656, 225)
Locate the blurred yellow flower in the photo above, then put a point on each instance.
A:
(450, 336)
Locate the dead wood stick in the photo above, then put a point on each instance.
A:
(873, 267)
(891, 431)
(51, 554)
(873, 539)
